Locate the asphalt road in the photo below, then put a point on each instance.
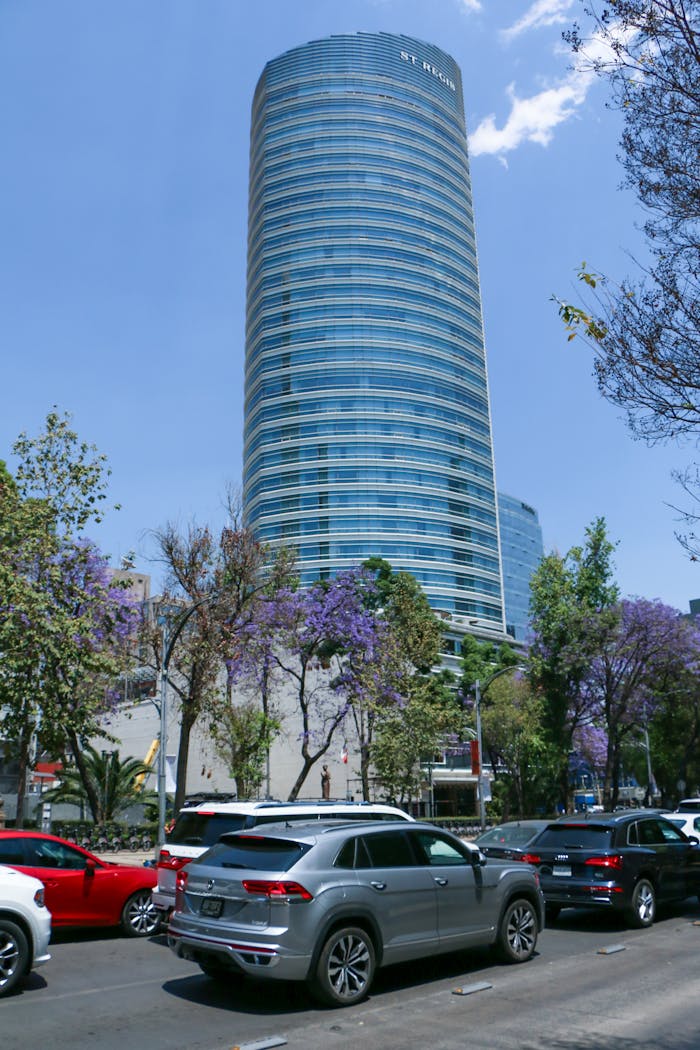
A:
(103, 990)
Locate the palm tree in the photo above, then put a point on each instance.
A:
(116, 785)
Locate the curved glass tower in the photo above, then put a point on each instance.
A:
(367, 424)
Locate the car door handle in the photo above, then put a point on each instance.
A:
(440, 882)
(378, 885)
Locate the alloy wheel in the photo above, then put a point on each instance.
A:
(140, 917)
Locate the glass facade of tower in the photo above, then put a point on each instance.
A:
(521, 551)
(367, 422)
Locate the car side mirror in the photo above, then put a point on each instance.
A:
(693, 839)
(478, 859)
(90, 866)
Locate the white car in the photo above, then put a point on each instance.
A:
(200, 824)
(25, 927)
(687, 822)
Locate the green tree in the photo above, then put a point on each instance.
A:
(115, 785)
(70, 476)
(409, 651)
(480, 659)
(405, 607)
(242, 734)
(409, 735)
(63, 623)
(674, 741)
(512, 729)
(571, 597)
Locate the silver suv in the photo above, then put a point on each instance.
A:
(329, 903)
(200, 825)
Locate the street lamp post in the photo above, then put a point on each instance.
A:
(482, 801)
(169, 640)
(479, 690)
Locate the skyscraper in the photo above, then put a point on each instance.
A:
(367, 421)
(521, 551)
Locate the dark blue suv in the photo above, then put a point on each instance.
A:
(626, 861)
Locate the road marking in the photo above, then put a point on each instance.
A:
(93, 991)
(266, 1043)
(469, 989)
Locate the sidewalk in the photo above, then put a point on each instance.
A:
(136, 858)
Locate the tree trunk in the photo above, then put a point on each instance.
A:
(92, 795)
(189, 717)
(364, 771)
(303, 774)
(24, 745)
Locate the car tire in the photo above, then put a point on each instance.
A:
(551, 912)
(14, 955)
(140, 917)
(345, 968)
(517, 931)
(642, 910)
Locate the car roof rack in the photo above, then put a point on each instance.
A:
(207, 796)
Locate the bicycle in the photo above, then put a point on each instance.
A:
(139, 840)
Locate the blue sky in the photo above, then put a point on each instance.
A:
(123, 208)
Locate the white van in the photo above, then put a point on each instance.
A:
(200, 824)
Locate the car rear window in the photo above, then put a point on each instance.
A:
(204, 829)
(518, 836)
(254, 853)
(575, 836)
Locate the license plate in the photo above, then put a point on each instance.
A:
(212, 906)
(561, 869)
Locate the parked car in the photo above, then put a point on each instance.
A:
(688, 822)
(330, 902)
(81, 889)
(625, 861)
(25, 927)
(510, 840)
(689, 805)
(200, 825)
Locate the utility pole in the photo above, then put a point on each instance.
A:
(479, 690)
(482, 801)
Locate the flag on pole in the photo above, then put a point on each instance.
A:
(344, 754)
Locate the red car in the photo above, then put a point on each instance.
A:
(81, 889)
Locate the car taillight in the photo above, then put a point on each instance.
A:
(39, 898)
(169, 862)
(614, 862)
(272, 888)
(180, 883)
(530, 858)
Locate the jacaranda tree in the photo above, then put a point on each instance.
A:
(644, 651)
(319, 643)
(64, 623)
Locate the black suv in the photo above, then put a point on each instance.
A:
(626, 861)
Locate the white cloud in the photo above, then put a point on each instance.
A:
(531, 119)
(541, 13)
(534, 119)
(471, 5)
